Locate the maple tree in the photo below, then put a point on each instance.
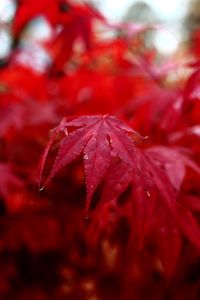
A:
(100, 162)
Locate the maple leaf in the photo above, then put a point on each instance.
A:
(162, 171)
(173, 161)
(29, 9)
(74, 21)
(60, 46)
(165, 169)
(99, 138)
(152, 208)
(56, 11)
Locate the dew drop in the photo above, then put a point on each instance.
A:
(148, 193)
(85, 156)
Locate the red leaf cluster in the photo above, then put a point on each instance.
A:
(112, 139)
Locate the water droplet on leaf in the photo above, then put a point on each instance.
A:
(148, 193)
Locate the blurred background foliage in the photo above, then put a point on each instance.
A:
(178, 18)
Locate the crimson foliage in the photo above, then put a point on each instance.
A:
(133, 230)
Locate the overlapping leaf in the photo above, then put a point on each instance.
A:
(163, 171)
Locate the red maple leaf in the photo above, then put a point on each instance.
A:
(157, 186)
(99, 138)
(164, 169)
(153, 208)
(74, 20)
(27, 10)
